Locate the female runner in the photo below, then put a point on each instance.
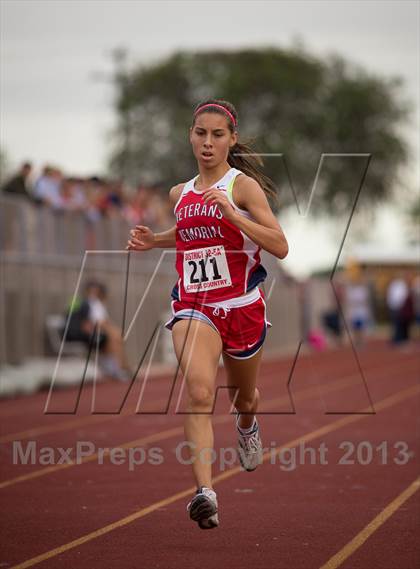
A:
(223, 219)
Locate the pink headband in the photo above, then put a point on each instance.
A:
(232, 118)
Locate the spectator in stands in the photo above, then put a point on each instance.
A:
(115, 197)
(90, 323)
(96, 197)
(72, 196)
(136, 209)
(92, 190)
(101, 197)
(47, 188)
(148, 207)
(113, 200)
(18, 184)
(159, 209)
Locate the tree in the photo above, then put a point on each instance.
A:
(413, 215)
(3, 166)
(288, 102)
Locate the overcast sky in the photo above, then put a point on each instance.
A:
(54, 110)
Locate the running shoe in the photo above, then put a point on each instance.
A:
(249, 447)
(203, 508)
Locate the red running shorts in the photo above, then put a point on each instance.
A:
(241, 322)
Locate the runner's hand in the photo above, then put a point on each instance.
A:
(141, 239)
(212, 196)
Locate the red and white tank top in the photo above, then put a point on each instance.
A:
(215, 260)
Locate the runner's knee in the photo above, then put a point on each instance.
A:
(201, 396)
(246, 402)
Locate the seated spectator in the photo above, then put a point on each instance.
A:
(18, 184)
(90, 323)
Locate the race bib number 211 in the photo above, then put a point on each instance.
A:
(206, 269)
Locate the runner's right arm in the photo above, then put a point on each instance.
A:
(142, 238)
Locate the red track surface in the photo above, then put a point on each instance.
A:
(104, 515)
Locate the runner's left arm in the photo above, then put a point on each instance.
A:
(263, 229)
